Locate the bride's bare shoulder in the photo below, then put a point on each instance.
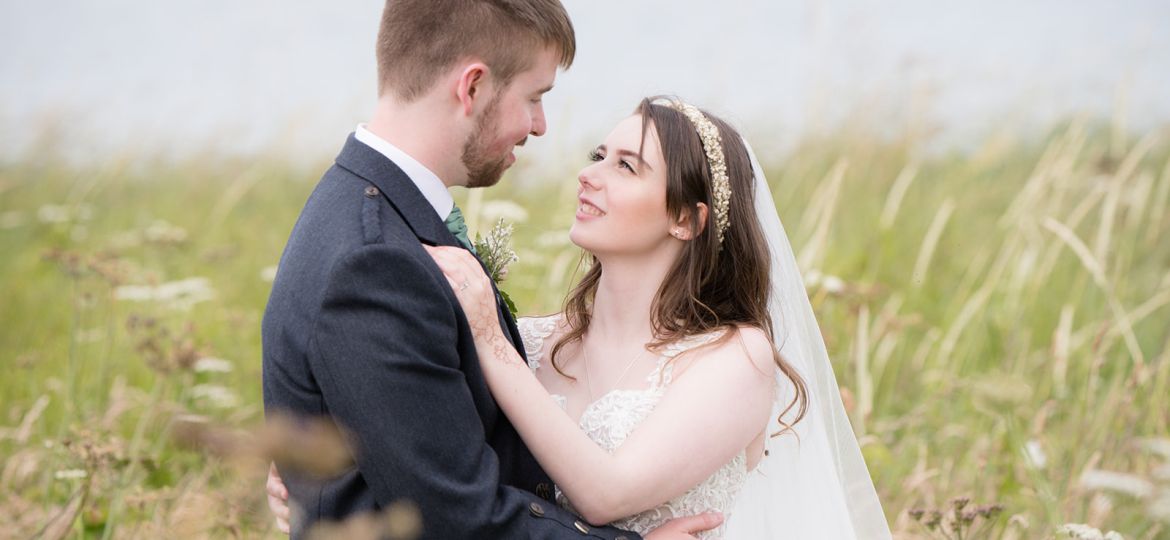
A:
(740, 347)
(758, 347)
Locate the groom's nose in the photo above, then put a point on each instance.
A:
(539, 126)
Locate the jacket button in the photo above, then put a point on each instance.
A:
(536, 509)
(371, 192)
(581, 527)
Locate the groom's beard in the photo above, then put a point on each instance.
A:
(483, 169)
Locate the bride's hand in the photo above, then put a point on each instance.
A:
(472, 287)
(277, 498)
(686, 527)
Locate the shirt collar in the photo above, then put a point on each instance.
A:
(433, 189)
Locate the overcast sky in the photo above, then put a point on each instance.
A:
(296, 75)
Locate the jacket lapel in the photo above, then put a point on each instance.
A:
(419, 215)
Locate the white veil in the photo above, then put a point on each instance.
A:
(815, 486)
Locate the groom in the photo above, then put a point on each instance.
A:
(361, 326)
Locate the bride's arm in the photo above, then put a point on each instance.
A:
(706, 418)
(710, 413)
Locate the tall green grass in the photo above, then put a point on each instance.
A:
(999, 321)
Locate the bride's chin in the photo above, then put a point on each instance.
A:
(584, 240)
(575, 236)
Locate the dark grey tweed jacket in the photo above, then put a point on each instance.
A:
(362, 327)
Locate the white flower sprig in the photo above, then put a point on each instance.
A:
(495, 250)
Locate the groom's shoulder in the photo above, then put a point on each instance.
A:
(345, 214)
(342, 188)
(343, 199)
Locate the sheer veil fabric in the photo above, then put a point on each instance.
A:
(814, 485)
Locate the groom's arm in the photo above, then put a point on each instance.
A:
(384, 352)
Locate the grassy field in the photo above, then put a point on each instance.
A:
(999, 322)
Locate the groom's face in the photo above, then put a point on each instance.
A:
(511, 115)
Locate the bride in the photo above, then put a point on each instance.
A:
(687, 373)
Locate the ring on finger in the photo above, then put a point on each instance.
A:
(463, 286)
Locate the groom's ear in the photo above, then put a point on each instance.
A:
(471, 86)
(690, 222)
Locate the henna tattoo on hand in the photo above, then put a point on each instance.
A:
(488, 337)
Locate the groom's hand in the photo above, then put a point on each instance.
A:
(686, 527)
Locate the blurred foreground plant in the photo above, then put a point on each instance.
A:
(960, 520)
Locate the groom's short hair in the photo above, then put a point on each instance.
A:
(420, 39)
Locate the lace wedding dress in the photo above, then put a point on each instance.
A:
(812, 485)
(615, 415)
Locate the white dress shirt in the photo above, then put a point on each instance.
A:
(433, 189)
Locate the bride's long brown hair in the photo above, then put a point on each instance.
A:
(709, 287)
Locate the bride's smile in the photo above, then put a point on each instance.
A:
(622, 194)
(586, 209)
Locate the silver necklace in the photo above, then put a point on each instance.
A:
(589, 376)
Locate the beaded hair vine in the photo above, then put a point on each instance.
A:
(713, 147)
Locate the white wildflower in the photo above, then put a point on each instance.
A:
(812, 278)
(213, 365)
(1157, 446)
(70, 474)
(1129, 484)
(505, 210)
(180, 294)
(268, 274)
(135, 293)
(1036, 457)
(53, 213)
(217, 396)
(553, 239)
(1081, 531)
(164, 233)
(833, 284)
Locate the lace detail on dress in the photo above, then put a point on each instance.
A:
(533, 331)
(663, 373)
(613, 417)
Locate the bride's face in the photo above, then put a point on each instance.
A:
(622, 195)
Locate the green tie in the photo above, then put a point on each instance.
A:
(458, 228)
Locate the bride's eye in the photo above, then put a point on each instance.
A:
(595, 155)
(628, 167)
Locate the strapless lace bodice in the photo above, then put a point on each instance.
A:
(615, 415)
